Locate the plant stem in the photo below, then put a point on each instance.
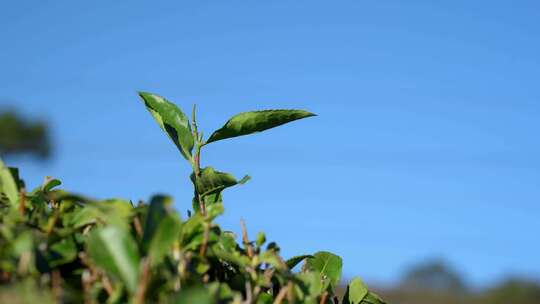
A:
(22, 201)
(138, 226)
(245, 239)
(196, 163)
(202, 251)
(143, 282)
(281, 295)
(324, 297)
(56, 282)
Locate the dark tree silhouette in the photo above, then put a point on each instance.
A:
(19, 136)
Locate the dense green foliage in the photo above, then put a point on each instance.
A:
(74, 249)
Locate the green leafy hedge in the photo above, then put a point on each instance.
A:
(61, 247)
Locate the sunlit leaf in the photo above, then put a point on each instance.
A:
(171, 120)
(256, 121)
(328, 265)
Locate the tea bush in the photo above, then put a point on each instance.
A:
(57, 246)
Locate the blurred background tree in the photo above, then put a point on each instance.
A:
(435, 275)
(20, 136)
(516, 290)
(436, 281)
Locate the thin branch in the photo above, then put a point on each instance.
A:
(107, 285)
(56, 282)
(245, 239)
(323, 297)
(22, 201)
(194, 120)
(86, 279)
(202, 251)
(143, 282)
(138, 226)
(281, 295)
(290, 292)
(249, 295)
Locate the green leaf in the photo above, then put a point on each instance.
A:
(256, 121)
(264, 298)
(234, 257)
(261, 239)
(113, 249)
(313, 284)
(356, 292)
(63, 252)
(15, 175)
(372, 298)
(195, 295)
(227, 241)
(159, 207)
(328, 264)
(22, 243)
(171, 120)
(8, 186)
(212, 181)
(50, 183)
(220, 291)
(292, 262)
(271, 257)
(112, 211)
(214, 210)
(192, 233)
(166, 234)
(84, 216)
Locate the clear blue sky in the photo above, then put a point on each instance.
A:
(426, 143)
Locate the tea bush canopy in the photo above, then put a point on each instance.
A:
(62, 247)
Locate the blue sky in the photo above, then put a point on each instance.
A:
(425, 144)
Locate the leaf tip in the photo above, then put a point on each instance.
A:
(244, 179)
(143, 95)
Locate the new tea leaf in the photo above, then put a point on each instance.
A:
(171, 120)
(256, 121)
(211, 181)
(50, 183)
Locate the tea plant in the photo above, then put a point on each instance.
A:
(57, 246)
